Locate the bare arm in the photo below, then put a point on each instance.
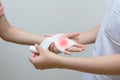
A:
(89, 37)
(108, 65)
(12, 34)
(84, 39)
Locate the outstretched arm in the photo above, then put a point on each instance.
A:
(12, 34)
(109, 65)
(85, 38)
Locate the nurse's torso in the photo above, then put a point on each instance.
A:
(1, 9)
(108, 39)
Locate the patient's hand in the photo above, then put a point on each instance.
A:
(75, 48)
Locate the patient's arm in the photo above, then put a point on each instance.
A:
(12, 34)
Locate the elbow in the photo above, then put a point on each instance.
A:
(4, 36)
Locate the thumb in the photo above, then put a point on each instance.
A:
(38, 48)
(32, 57)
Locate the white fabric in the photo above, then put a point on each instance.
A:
(108, 40)
(57, 40)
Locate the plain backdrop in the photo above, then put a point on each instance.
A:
(44, 17)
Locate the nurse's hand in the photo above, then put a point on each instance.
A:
(44, 59)
(75, 48)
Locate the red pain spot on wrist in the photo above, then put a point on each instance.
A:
(63, 42)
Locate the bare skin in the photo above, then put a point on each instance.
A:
(12, 34)
(107, 65)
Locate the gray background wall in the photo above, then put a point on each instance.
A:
(41, 17)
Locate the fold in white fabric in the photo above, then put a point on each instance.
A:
(61, 43)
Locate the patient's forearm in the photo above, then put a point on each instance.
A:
(12, 34)
(19, 36)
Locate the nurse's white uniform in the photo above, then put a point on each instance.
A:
(108, 39)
